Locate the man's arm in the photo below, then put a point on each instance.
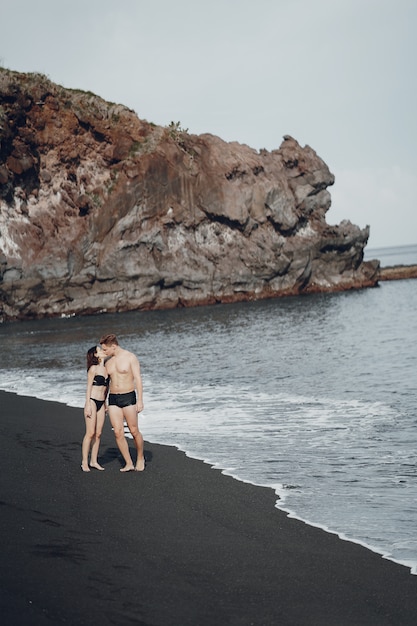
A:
(138, 382)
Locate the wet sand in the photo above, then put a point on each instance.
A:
(179, 544)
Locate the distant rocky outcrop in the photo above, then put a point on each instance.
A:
(397, 272)
(103, 211)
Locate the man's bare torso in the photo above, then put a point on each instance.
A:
(119, 368)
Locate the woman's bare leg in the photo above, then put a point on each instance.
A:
(90, 428)
(100, 416)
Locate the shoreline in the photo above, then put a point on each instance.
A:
(280, 496)
(411, 566)
(176, 544)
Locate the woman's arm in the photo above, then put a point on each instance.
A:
(90, 378)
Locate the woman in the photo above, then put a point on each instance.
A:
(94, 409)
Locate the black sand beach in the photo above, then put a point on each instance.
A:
(179, 544)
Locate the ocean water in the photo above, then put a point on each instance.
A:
(399, 255)
(313, 396)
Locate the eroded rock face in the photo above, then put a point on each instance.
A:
(102, 211)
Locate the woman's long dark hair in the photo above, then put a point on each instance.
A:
(91, 357)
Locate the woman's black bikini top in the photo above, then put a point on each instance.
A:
(100, 381)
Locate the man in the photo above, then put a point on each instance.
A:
(125, 382)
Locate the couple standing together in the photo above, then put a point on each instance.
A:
(120, 375)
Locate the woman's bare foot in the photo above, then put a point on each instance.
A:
(127, 468)
(85, 467)
(140, 465)
(96, 466)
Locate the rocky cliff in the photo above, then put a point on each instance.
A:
(103, 211)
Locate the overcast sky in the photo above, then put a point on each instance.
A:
(338, 75)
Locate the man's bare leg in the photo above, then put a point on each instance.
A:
(131, 418)
(116, 420)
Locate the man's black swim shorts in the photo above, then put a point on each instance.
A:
(122, 399)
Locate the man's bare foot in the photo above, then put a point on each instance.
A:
(140, 465)
(96, 466)
(85, 468)
(127, 468)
